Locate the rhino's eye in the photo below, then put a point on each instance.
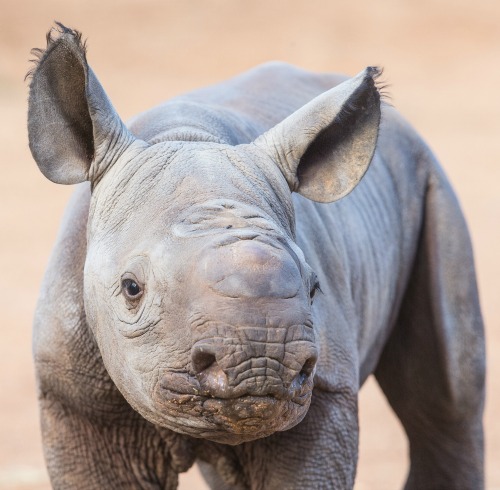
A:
(131, 289)
(315, 287)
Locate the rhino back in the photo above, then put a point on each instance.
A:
(234, 111)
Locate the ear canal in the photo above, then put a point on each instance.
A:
(324, 148)
(70, 117)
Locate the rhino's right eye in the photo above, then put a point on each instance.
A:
(131, 289)
(314, 288)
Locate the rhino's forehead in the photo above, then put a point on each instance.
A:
(220, 215)
(189, 185)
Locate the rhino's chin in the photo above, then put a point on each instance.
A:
(229, 421)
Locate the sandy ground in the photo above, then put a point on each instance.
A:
(441, 59)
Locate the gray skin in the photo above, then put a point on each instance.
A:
(176, 321)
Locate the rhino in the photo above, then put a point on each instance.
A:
(233, 266)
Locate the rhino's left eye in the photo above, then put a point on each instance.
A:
(131, 289)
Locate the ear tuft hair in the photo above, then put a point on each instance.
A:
(372, 78)
(54, 36)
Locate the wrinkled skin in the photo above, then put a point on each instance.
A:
(181, 319)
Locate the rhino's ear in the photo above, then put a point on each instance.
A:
(74, 132)
(325, 147)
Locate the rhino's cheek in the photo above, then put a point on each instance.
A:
(134, 352)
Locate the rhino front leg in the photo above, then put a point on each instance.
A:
(432, 369)
(119, 451)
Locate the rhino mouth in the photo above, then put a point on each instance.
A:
(228, 420)
(182, 396)
(183, 383)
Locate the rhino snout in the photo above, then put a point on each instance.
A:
(257, 376)
(252, 332)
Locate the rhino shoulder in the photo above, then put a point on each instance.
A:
(67, 360)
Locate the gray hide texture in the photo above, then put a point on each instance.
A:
(227, 279)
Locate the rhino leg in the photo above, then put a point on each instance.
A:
(85, 451)
(432, 369)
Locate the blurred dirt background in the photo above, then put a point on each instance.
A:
(441, 60)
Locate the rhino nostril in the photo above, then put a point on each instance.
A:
(305, 372)
(211, 377)
(202, 358)
(308, 367)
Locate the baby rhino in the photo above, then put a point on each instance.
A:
(235, 264)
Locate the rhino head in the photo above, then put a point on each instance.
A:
(198, 297)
